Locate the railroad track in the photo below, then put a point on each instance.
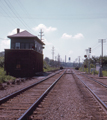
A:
(96, 88)
(99, 82)
(20, 105)
(45, 105)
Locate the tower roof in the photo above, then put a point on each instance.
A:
(25, 34)
(22, 34)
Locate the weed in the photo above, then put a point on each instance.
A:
(4, 77)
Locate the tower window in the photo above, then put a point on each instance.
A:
(17, 46)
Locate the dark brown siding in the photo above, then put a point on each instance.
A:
(23, 63)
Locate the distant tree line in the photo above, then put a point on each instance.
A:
(1, 61)
(52, 63)
(95, 60)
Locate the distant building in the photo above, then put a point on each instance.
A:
(25, 40)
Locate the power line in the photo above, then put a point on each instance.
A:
(95, 47)
(3, 39)
(23, 8)
(17, 15)
(7, 14)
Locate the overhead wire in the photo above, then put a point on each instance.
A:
(23, 8)
(3, 39)
(16, 14)
(96, 47)
(4, 10)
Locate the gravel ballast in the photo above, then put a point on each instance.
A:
(69, 100)
(15, 87)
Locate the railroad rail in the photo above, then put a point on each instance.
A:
(44, 108)
(99, 92)
(4, 99)
(22, 102)
(38, 108)
(95, 80)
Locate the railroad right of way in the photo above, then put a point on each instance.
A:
(69, 100)
(15, 105)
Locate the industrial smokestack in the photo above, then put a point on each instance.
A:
(18, 30)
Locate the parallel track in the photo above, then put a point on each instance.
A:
(95, 81)
(95, 90)
(21, 103)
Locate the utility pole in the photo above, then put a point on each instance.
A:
(65, 60)
(89, 51)
(102, 41)
(83, 65)
(86, 57)
(41, 34)
(79, 61)
(101, 62)
(58, 60)
(53, 53)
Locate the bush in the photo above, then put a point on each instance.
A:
(4, 77)
(1, 61)
(47, 67)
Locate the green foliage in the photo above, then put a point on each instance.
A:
(86, 70)
(94, 60)
(92, 66)
(95, 72)
(104, 73)
(4, 77)
(80, 69)
(1, 61)
(47, 67)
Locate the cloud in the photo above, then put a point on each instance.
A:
(77, 36)
(44, 28)
(14, 31)
(5, 44)
(66, 36)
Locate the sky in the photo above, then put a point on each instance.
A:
(70, 26)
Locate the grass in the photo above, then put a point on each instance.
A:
(86, 70)
(4, 77)
(49, 69)
(96, 72)
(104, 73)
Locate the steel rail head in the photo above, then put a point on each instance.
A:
(96, 81)
(4, 99)
(38, 101)
(101, 102)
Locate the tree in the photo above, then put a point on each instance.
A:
(1, 61)
(47, 60)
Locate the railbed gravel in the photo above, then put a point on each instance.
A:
(8, 89)
(69, 100)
